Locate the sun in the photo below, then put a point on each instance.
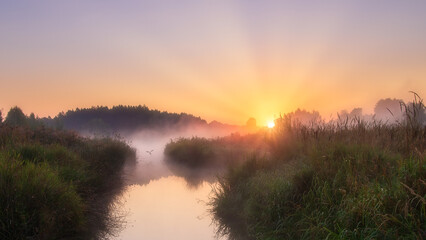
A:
(271, 124)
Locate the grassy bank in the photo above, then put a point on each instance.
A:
(346, 179)
(199, 159)
(198, 153)
(56, 184)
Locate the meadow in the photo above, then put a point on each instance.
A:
(56, 184)
(343, 179)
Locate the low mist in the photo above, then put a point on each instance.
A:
(150, 144)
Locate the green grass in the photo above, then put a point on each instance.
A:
(332, 181)
(198, 153)
(37, 203)
(194, 153)
(56, 185)
(342, 192)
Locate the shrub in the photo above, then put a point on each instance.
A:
(56, 185)
(37, 203)
(194, 153)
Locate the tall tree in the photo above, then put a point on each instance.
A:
(15, 117)
(388, 109)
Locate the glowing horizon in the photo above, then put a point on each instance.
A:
(226, 61)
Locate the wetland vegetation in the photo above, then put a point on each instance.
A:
(343, 179)
(55, 184)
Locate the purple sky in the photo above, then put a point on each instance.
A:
(224, 60)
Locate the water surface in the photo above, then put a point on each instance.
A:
(159, 204)
(167, 209)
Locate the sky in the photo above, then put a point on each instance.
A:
(219, 59)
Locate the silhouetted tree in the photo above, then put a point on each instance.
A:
(15, 117)
(388, 110)
(304, 117)
(120, 118)
(33, 122)
(356, 113)
(58, 122)
(251, 123)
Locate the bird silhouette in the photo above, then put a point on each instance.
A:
(150, 152)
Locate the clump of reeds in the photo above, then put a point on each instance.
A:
(345, 179)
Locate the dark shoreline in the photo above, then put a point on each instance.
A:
(58, 185)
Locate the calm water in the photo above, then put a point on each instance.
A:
(167, 209)
(159, 204)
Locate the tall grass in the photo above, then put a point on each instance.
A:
(36, 203)
(57, 185)
(193, 153)
(198, 153)
(346, 179)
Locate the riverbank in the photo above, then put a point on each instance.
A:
(58, 185)
(345, 179)
(198, 153)
(342, 180)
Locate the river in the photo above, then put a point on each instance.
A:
(157, 204)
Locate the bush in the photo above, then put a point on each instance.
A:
(194, 153)
(197, 153)
(104, 158)
(56, 185)
(37, 203)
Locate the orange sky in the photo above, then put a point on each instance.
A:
(228, 61)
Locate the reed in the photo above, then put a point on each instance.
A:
(56, 184)
(345, 179)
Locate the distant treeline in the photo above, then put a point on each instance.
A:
(119, 118)
(122, 118)
(386, 111)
